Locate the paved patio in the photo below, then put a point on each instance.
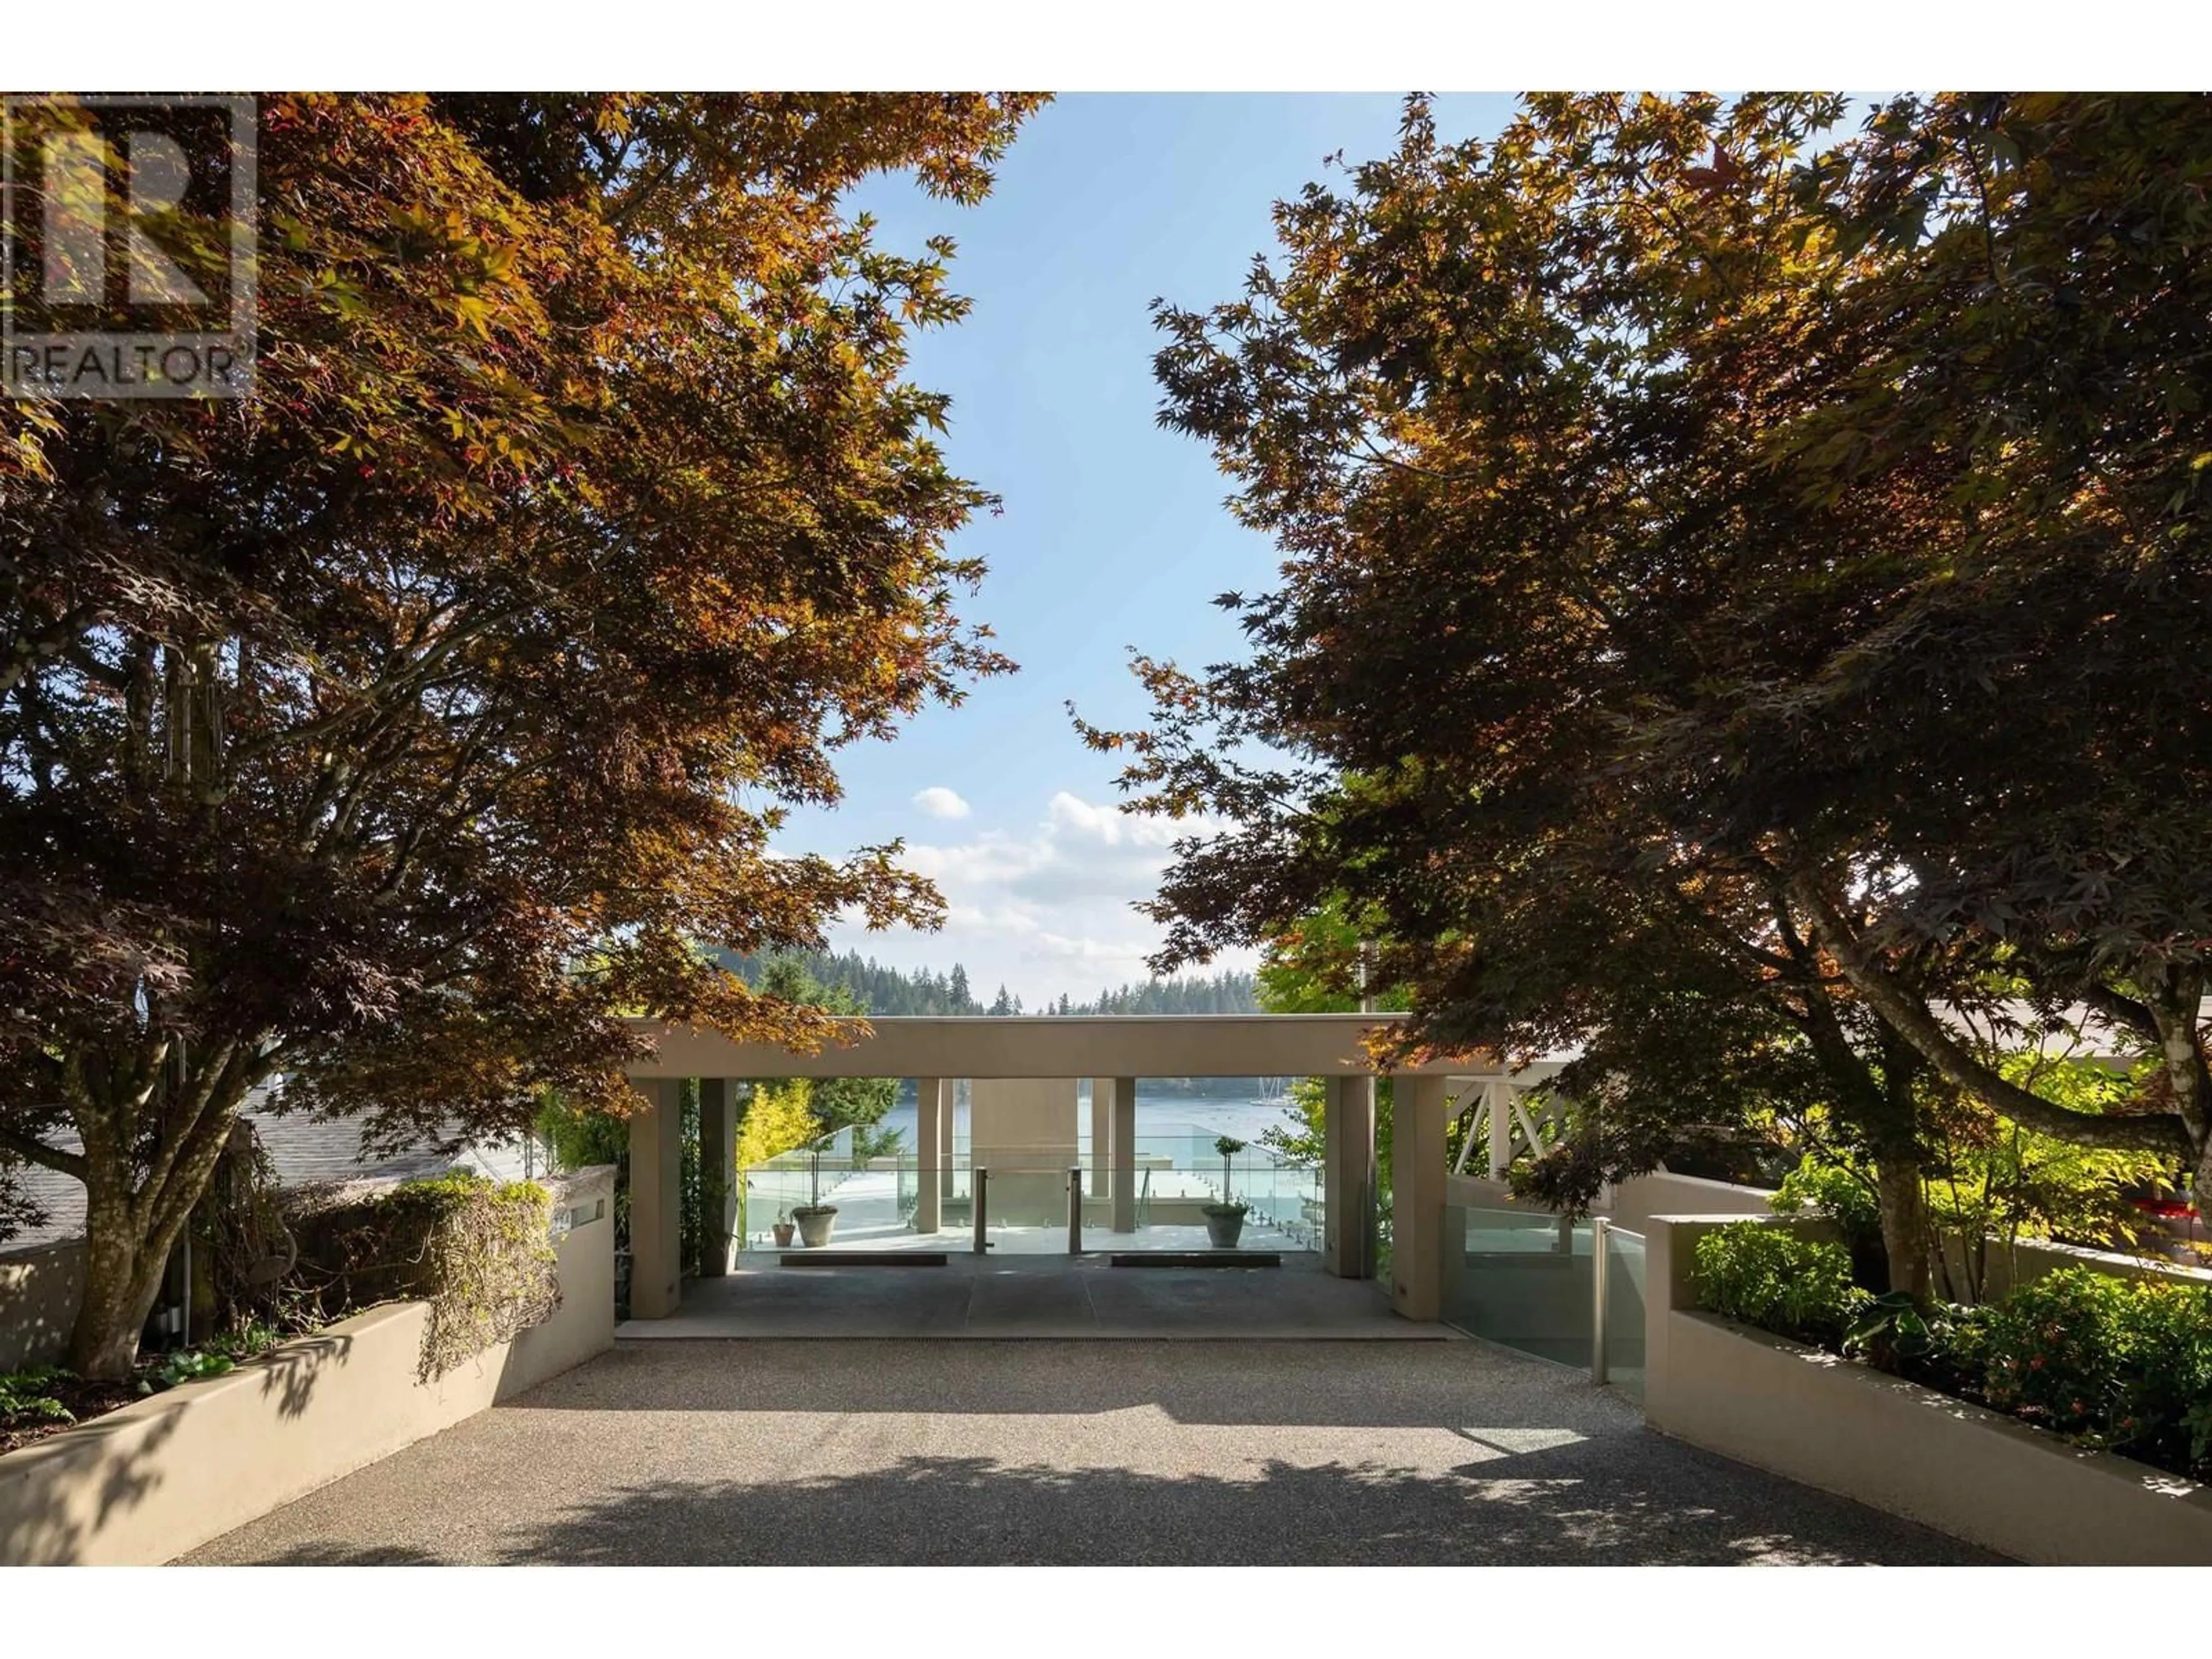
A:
(1034, 1298)
(1044, 1451)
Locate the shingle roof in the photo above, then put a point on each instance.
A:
(303, 1150)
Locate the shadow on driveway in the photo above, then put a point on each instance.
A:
(1161, 1452)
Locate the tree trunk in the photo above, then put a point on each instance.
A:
(122, 1278)
(1904, 1225)
(129, 1230)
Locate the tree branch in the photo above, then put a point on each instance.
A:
(1908, 1016)
(38, 1152)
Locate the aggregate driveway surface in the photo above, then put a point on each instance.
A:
(1044, 1451)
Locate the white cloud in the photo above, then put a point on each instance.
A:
(939, 802)
(1047, 910)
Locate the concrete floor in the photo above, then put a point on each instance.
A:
(1035, 1298)
(871, 1218)
(1138, 1452)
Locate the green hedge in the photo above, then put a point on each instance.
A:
(2123, 1365)
(1771, 1277)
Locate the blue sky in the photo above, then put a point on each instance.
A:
(1114, 534)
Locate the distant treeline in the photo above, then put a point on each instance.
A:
(889, 991)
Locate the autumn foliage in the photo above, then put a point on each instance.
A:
(400, 727)
(1743, 606)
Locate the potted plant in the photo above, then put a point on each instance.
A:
(1225, 1222)
(783, 1230)
(815, 1219)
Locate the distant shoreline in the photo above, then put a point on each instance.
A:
(1243, 1113)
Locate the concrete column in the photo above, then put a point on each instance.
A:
(1498, 1097)
(1124, 1142)
(1420, 1111)
(1348, 1178)
(933, 1123)
(718, 1175)
(945, 1139)
(656, 1208)
(1102, 1133)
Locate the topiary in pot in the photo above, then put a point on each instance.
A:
(1225, 1222)
(815, 1219)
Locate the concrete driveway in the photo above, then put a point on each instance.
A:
(983, 1451)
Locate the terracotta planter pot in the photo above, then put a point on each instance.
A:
(783, 1232)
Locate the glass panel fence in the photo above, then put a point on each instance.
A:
(1282, 1207)
(873, 1180)
(878, 1200)
(1521, 1278)
(878, 1196)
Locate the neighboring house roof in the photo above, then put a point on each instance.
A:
(303, 1150)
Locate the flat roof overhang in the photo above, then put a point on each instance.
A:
(1052, 1045)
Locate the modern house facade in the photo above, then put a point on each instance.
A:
(1023, 1075)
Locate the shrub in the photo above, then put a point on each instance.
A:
(191, 1365)
(27, 1395)
(240, 1237)
(778, 1119)
(1843, 1192)
(1771, 1277)
(480, 1254)
(1942, 1344)
(2123, 1364)
(580, 1138)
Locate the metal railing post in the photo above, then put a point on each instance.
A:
(979, 1182)
(1075, 1211)
(1599, 1227)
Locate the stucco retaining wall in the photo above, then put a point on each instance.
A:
(2012, 1265)
(163, 1476)
(1629, 1205)
(40, 1291)
(1833, 1423)
(41, 1287)
(1635, 1202)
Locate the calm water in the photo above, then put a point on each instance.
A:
(1241, 1115)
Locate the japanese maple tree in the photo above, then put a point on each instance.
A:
(401, 726)
(1742, 606)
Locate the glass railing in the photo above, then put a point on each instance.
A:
(1521, 1278)
(1530, 1281)
(1624, 1310)
(1282, 1208)
(834, 1170)
(878, 1199)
